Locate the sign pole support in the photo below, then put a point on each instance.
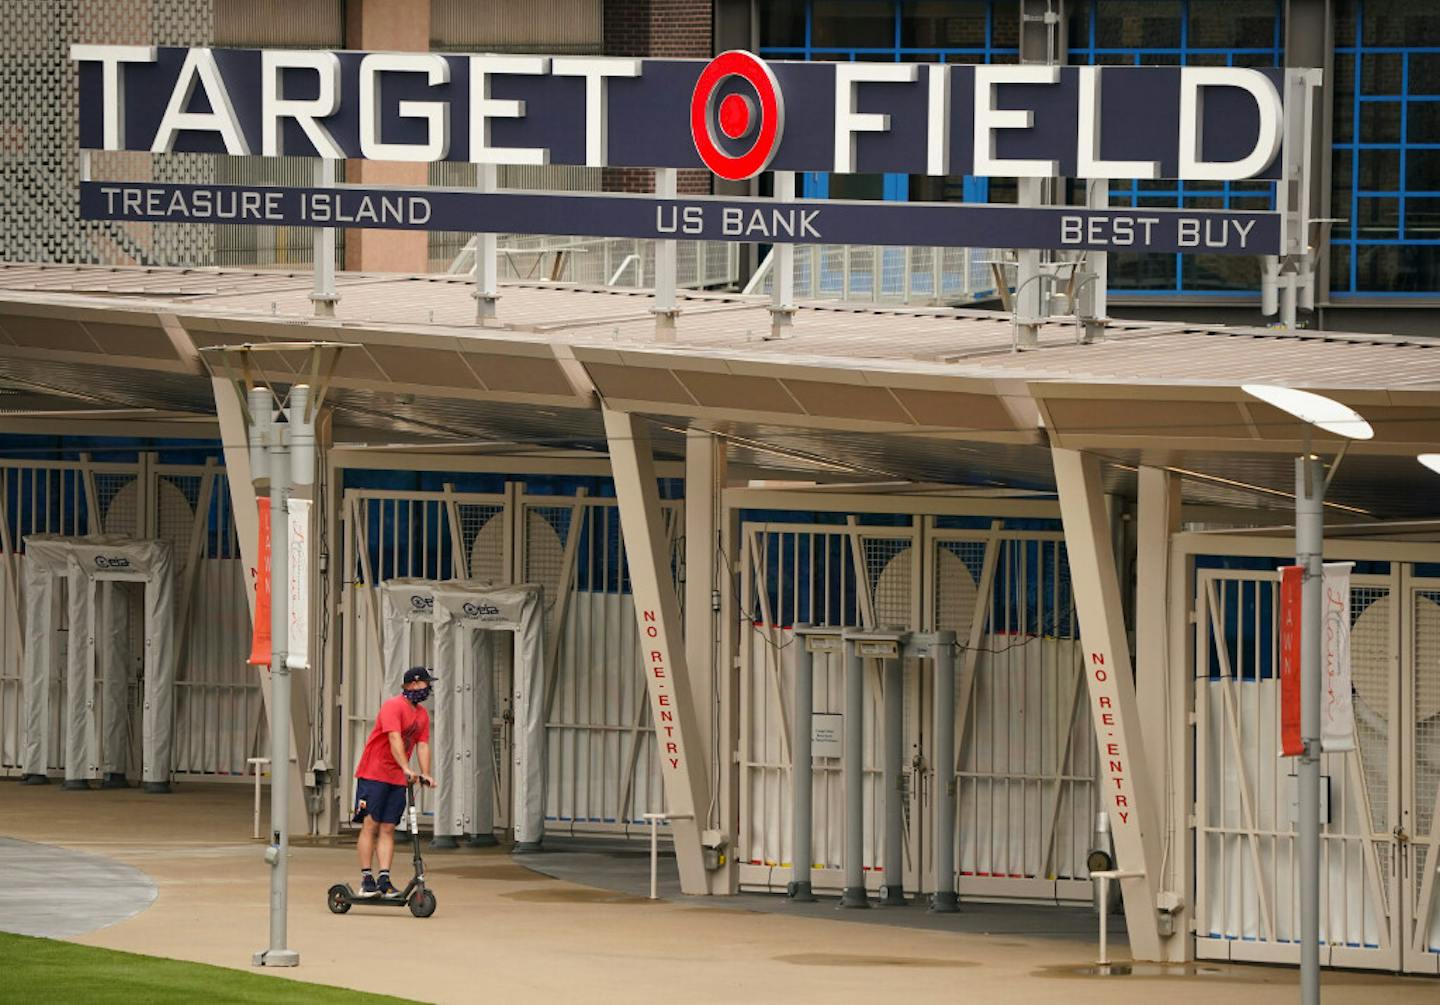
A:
(324, 296)
(782, 297)
(487, 266)
(667, 185)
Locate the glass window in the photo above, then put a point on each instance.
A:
(1382, 73)
(1380, 170)
(1398, 268)
(1143, 273)
(1400, 23)
(1378, 217)
(853, 24)
(782, 24)
(1137, 24)
(1422, 170)
(1423, 123)
(1422, 219)
(1380, 122)
(1231, 24)
(941, 24)
(1423, 72)
(1220, 273)
(1388, 184)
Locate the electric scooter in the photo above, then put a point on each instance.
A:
(416, 896)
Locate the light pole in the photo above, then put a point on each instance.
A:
(282, 448)
(1310, 483)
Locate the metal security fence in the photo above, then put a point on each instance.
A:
(219, 711)
(602, 771)
(864, 274)
(1025, 756)
(1379, 840)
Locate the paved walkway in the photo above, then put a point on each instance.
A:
(601, 864)
(505, 933)
(58, 893)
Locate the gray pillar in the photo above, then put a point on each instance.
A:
(278, 954)
(1309, 545)
(942, 770)
(802, 772)
(894, 791)
(852, 767)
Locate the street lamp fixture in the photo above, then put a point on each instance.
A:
(1314, 409)
(1333, 417)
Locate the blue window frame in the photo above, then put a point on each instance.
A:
(1182, 32)
(900, 31)
(1386, 163)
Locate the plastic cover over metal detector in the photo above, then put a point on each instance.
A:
(91, 567)
(465, 614)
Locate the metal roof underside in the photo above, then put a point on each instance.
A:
(922, 396)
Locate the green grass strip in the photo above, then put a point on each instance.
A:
(41, 971)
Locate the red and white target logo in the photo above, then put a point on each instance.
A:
(737, 126)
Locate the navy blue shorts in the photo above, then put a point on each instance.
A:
(381, 800)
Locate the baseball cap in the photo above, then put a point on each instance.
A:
(419, 673)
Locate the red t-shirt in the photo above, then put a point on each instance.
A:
(397, 715)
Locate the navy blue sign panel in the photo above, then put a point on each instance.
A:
(699, 219)
(649, 120)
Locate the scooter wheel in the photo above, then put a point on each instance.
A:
(338, 899)
(422, 904)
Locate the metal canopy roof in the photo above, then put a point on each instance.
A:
(925, 395)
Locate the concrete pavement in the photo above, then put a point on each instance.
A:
(505, 933)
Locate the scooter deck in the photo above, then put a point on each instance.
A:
(400, 899)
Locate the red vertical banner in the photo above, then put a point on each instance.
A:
(260, 637)
(1292, 579)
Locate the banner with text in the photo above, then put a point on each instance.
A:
(1337, 708)
(260, 636)
(297, 652)
(698, 218)
(1292, 585)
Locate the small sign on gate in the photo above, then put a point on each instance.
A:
(827, 731)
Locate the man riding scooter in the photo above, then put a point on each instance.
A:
(382, 776)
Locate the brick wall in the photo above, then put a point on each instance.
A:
(671, 29)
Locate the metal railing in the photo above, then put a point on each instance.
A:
(874, 274)
(598, 261)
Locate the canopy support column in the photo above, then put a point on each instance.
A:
(1124, 777)
(657, 615)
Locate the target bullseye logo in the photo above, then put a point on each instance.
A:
(717, 122)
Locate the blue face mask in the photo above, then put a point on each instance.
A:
(417, 695)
